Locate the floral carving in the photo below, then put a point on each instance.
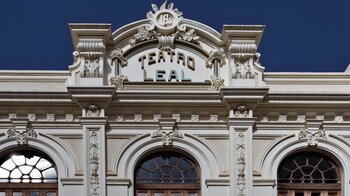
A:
(21, 137)
(312, 137)
(242, 69)
(94, 164)
(216, 83)
(118, 81)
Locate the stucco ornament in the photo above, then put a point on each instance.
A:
(118, 81)
(215, 56)
(93, 111)
(21, 137)
(312, 137)
(165, 26)
(241, 112)
(216, 83)
(167, 137)
(167, 131)
(94, 164)
(246, 60)
(118, 55)
(241, 163)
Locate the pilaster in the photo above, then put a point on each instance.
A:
(241, 103)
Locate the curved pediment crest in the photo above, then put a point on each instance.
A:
(165, 25)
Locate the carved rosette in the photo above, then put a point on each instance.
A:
(241, 163)
(245, 60)
(312, 137)
(118, 81)
(241, 112)
(94, 164)
(165, 26)
(93, 111)
(21, 137)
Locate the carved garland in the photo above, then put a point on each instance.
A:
(94, 164)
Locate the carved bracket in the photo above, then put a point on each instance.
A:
(93, 111)
(241, 112)
(118, 81)
(312, 136)
(167, 131)
(118, 55)
(216, 83)
(21, 137)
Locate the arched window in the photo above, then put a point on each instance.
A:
(308, 174)
(167, 174)
(27, 173)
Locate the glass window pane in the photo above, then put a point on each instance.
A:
(16, 173)
(18, 160)
(25, 169)
(32, 161)
(192, 194)
(4, 173)
(9, 165)
(51, 194)
(141, 194)
(159, 194)
(17, 194)
(2, 194)
(34, 194)
(50, 173)
(43, 164)
(35, 174)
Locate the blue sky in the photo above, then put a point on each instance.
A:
(300, 35)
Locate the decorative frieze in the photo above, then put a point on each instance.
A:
(92, 68)
(21, 137)
(69, 117)
(32, 117)
(214, 118)
(94, 164)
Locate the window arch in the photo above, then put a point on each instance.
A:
(27, 173)
(167, 173)
(308, 173)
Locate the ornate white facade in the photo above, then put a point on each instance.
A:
(167, 84)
